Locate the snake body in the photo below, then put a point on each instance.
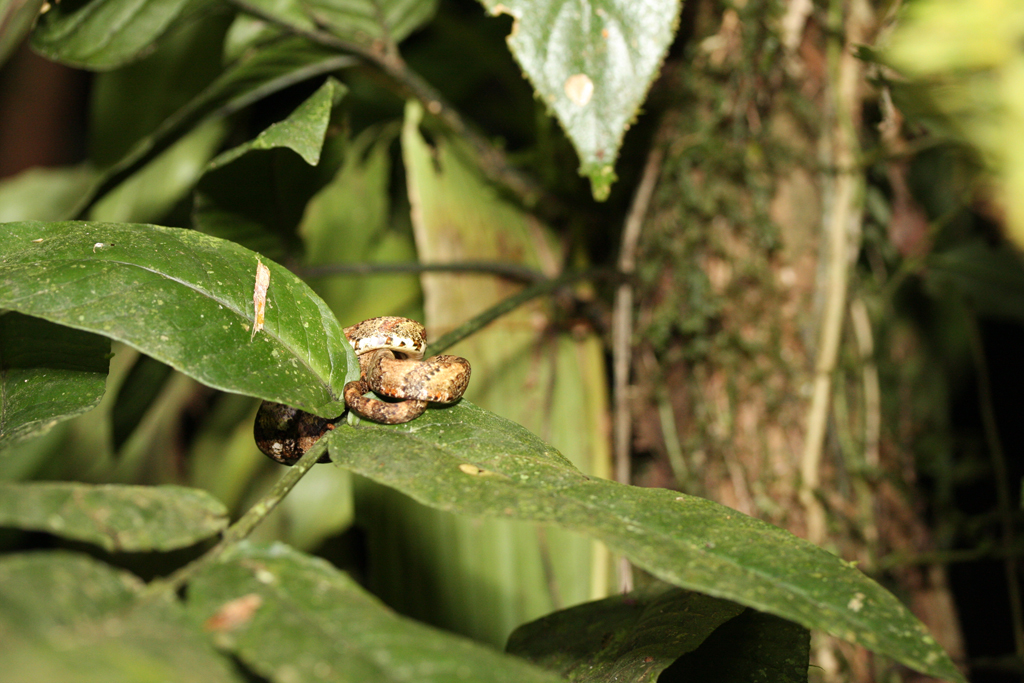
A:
(390, 352)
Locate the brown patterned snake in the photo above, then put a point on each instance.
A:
(390, 352)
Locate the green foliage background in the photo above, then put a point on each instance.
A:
(323, 134)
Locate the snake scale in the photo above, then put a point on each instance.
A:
(390, 352)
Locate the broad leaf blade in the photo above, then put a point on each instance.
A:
(290, 616)
(116, 518)
(592, 62)
(103, 34)
(184, 298)
(69, 618)
(631, 637)
(466, 460)
(752, 647)
(48, 374)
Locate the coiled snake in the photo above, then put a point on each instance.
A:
(390, 352)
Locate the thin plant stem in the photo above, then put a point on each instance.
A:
(508, 304)
(847, 74)
(241, 529)
(510, 271)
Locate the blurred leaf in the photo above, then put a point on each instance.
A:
(48, 374)
(256, 75)
(44, 194)
(320, 507)
(152, 192)
(592, 62)
(964, 61)
(256, 198)
(129, 103)
(69, 618)
(16, 19)
(184, 298)
(349, 221)
(138, 391)
(224, 459)
(991, 280)
(116, 518)
(365, 22)
(631, 637)
(103, 34)
(460, 575)
(289, 616)
(466, 460)
(937, 36)
(752, 647)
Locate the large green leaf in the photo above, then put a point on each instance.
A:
(292, 617)
(116, 518)
(103, 34)
(630, 637)
(591, 62)
(464, 459)
(48, 374)
(69, 618)
(752, 647)
(184, 298)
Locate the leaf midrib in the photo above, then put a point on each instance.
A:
(657, 534)
(302, 358)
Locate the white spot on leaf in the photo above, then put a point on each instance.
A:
(579, 89)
